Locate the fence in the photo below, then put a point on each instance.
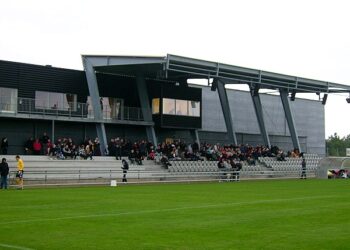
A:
(103, 177)
(70, 109)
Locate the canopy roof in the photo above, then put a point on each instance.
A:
(178, 68)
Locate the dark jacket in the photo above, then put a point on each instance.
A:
(303, 165)
(4, 168)
(125, 165)
(4, 144)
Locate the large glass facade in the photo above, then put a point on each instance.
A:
(8, 100)
(111, 108)
(194, 108)
(54, 100)
(155, 106)
(180, 107)
(168, 106)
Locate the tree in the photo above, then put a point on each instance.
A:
(337, 146)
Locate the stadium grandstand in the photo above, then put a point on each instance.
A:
(132, 104)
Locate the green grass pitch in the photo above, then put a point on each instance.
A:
(273, 214)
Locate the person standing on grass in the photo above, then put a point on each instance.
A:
(303, 169)
(4, 170)
(19, 175)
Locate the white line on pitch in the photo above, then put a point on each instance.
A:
(14, 247)
(165, 210)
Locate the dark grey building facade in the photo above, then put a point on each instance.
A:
(138, 98)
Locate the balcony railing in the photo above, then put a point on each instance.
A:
(78, 110)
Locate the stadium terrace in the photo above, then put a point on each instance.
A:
(149, 98)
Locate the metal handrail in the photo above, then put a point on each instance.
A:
(70, 109)
(58, 177)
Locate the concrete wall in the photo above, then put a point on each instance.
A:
(309, 118)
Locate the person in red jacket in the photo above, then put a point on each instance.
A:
(37, 147)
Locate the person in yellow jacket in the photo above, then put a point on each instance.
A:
(20, 168)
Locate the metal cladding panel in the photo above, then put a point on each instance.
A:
(9, 74)
(17, 133)
(176, 121)
(212, 116)
(309, 117)
(28, 78)
(181, 92)
(132, 133)
(119, 87)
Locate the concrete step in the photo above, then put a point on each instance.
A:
(25, 158)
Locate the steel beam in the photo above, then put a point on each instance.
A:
(95, 102)
(260, 116)
(146, 108)
(289, 117)
(101, 134)
(53, 131)
(226, 111)
(195, 137)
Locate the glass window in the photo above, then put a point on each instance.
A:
(70, 101)
(53, 100)
(89, 108)
(56, 101)
(111, 108)
(181, 107)
(168, 106)
(155, 106)
(116, 107)
(8, 100)
(41, 99)
(194, 108)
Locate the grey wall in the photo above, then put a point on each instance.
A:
(309, 118)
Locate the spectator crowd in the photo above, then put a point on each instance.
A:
(164, 153)
(62, 148)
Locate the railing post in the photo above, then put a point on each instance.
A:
(79, 176)
(45, 176)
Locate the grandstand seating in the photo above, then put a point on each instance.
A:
(291, 164)
(208, 166)
(44, 170)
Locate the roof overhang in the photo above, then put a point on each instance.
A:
(175, 68)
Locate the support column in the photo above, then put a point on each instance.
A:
(289, 117)
(53, 131)
(95, 102)
(101, 134)
(260, 116)
(146, 108)
(195, 137)
(226, 111)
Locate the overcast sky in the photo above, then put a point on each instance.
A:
(303, 38)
